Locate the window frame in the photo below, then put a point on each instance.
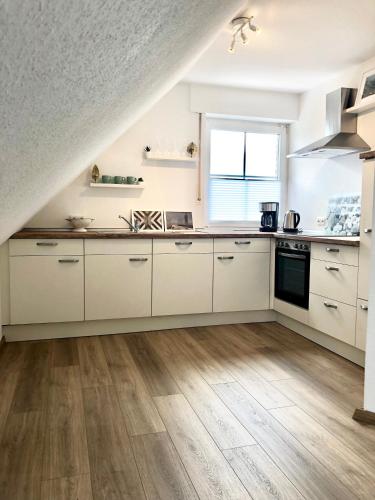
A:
(231, 124)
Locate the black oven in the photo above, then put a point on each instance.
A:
(292, 272)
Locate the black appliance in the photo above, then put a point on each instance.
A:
(270, 216)
(292, 272)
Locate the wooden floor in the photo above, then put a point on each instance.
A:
(227, 412)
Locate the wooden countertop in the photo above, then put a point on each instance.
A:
(121, 234)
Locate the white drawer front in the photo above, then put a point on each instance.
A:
(335, 253)
(118, 247)
(242, 245)
(185, 245)
(334, 280)
(333, 317)
(361, 326)
(45, 247)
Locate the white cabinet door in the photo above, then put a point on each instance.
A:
(333, 317)
(361, 326)
(46, 289)
(117, 286)
(241, 281)
(366, 228)
(182, 284)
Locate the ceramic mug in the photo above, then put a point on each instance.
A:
(131, 180)
(118, 179)
(107, 179)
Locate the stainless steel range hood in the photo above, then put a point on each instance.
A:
(341, 129)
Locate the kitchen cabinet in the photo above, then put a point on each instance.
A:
(361, 325)
(46, 288)
(182, 283)
(117, 286)
(367, 201)
(337, 281)
(333, 318)
(339, 254)
(241, 281)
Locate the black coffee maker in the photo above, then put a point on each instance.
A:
(270, 216)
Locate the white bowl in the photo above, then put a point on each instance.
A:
(80, 223)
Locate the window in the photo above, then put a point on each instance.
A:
(243, 169)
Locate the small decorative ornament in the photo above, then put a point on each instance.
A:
(192, 149)
(95, 174)
(148, 220)
(147, 149)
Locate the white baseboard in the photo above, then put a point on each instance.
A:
(345, 350)
(15, 333)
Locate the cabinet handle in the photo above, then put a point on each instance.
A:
(229, 257)
(242, 242)
(46, 244)
(331, 268)
(364, 308)
(332, 249)
(138, 259)
(68, 261)
(367, 230)
(179, 243)
(328, 304)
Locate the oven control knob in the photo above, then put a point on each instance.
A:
(281, 243)
(286, 244)
(305, 247)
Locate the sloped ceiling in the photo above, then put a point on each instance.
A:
(74, 74)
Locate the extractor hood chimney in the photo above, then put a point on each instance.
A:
(341, 129)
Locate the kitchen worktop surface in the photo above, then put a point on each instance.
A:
(203, 233)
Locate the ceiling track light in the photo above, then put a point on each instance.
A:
(239, 26)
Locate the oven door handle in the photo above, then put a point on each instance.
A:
(292, 256)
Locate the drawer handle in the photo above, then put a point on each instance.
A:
(242, 242)
(229, 257)
(332, 268)
(328, 304)
(367, 230)
(180, 243)
(364, 308)
(138, 259)
(329, 249)
(68, 261)
(46, 244)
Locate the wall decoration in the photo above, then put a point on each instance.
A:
(148, 220)
(178, 221)
(344, 213)
(366, 91)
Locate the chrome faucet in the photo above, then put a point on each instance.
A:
(134, 228)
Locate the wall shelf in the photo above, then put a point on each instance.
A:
(117, 186)
(181, 159)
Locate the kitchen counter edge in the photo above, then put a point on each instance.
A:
(50, 234)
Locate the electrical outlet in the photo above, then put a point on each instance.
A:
(321, 221)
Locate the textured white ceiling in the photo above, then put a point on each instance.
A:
(75, 74)
(301, 44)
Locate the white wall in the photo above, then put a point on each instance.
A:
(169, 126)
(312, 181)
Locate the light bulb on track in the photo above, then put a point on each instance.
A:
(241, 26)
(231, 46)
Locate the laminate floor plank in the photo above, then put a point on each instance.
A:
(21, 457)
(136, 403)
(31, 393)
(212, 371)
(219, 412)
(333, 417)
(154, 372)
(354, 472)
(163, 474)
(65, 452)
(67, 488)
(301, 467)
(65, 352)
(261, 477)
(93, 365)
(224, 428)
(209, 471)
(113, 470)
